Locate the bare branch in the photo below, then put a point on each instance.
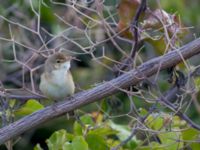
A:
(103, 90)
(135, 33)
(134, 27)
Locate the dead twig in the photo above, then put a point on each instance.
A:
(103, 90)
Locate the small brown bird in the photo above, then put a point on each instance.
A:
(56, 81)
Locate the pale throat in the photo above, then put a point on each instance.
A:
(60, 74)
(65, 66)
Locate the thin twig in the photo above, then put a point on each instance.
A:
(103, 90)
(166, 100)
(140, 123)
(134, 28)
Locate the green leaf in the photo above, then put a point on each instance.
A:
(155, 121)
(96, 142)
(58, 139)
(29, 107)
(191, 135)
(12, 103)
(103, 131)
(153, 146)
(143, 111)
(67, 146)
(47, 15)
(197, 83)
(87, 119)
(123, 131)
(169, 139)
(77, 128)
(38, 147)
(79, 143)
(177, 122)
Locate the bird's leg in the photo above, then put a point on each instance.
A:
(54, 107)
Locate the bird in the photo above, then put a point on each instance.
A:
(56, 82)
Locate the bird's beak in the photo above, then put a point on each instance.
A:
(74, 58)
(66, 65)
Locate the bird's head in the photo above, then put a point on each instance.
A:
(58, 61)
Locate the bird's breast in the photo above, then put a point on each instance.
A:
(57, 85)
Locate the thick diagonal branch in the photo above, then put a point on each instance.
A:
(103, 90)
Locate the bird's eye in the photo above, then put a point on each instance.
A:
(58, 61)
